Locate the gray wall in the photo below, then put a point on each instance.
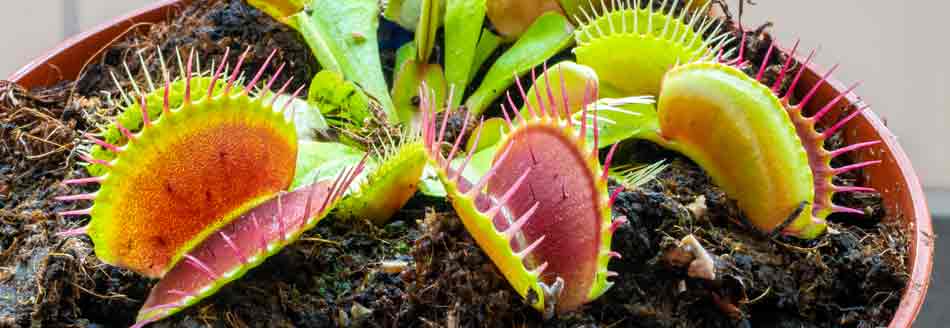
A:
(30, 28)
(892, 46)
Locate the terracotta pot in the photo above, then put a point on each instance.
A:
(895, 178)
(899, 185)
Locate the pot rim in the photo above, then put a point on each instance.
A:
(920, 230)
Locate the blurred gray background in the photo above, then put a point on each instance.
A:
(893, 47)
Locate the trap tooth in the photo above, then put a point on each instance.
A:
(73, 232)
(515, 227)
(616, 223)
(125, 132)
(503, 201)
(539, 270)
(96, 161)
(103, 144)
(837, 126)
(483, 181)
(527, 217)
(852, 167)
(614, 195)
(844, 209)
(90, 196)
(243, 244)
(82, 181)
(530, 248)
(76, 212)
(468, 158)
(853, 189)
(790, 58)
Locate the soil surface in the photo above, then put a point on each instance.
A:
(422, 269)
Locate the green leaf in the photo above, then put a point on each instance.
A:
(487, 45)
(342, 35)
(621, 119)
(492, 131)
(430, 185)
(463, 24)
(549, 34)
(318, 161)
(406, 13)
(307, 119)
(575, 78)
(480, 164)
(429, 22)
(340, 100)
(405, 53)
(406, 87)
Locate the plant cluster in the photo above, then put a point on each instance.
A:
(196, 188)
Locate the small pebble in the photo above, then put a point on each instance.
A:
(359, 312)
(393, 266)
(698, 207)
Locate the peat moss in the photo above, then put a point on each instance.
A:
(423, 269)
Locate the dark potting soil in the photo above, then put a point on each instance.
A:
(422, 269)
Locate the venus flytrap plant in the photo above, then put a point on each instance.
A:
(202, 188)
(644, 42)
(541, 211)
(117, 193)
(768, 155)
(390, 178)
(201, 194)
(771, 160)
